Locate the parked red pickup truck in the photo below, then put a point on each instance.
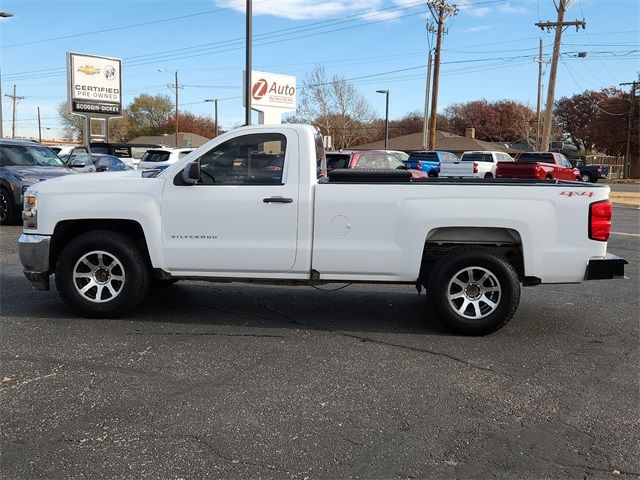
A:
(542, 165)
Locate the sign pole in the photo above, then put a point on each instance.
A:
(248, 65)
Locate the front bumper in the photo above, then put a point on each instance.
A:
(605, 268)
(34, 256)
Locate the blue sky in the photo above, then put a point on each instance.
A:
(488, 52)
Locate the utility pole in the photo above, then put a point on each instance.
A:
(39, 126)
(248, 63)
(176, 109)
(627, 157)
(559, 25)
(176, 86)
(15, 99)
(440, 12)
(539, 103)
(427, 97)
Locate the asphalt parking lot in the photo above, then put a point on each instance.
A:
(236, 381)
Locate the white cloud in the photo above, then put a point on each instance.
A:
(479, 28)
(508, 8)
(306, 9)
(467, 8)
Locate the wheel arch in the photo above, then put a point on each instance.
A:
(506, 242)
(66, 230)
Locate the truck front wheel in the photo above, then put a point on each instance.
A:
(473, 290)
(102, 274)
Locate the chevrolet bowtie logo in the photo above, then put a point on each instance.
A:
(89, 70)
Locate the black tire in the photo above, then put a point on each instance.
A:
(7, 208)
(440, 289)
(488, 175)
(433, 174)
(133, 270)
(585, 177)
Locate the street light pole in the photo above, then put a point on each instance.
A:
(215, 109)
(386, 118)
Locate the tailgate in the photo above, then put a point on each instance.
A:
(516, 170)
(456, 169)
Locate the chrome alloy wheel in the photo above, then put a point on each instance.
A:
(474, 292)
(98, 276)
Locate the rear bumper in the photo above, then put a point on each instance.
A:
(605, 268)
(34, 256)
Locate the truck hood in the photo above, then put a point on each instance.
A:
(106, 182)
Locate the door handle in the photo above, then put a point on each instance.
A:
(277, 200)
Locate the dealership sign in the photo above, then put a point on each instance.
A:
(270, 90)
(94, 85)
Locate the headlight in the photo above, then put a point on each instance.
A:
(30, 210)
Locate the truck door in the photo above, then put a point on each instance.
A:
(242, 215)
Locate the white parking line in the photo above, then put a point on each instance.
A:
(626, 234)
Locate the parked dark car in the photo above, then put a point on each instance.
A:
(590, 173)
(23, 163)
(79, 162)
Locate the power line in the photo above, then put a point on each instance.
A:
(124, 27)
(179, 53)
(591, 101)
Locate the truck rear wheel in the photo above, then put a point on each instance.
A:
(473, 290)
(102, 274)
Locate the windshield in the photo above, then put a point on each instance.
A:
(28, 156)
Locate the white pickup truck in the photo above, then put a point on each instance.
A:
(248, 206)
(475, 165)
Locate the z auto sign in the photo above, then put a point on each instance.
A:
(273, 91)
(95, 84)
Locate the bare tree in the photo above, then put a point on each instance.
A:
(336, 107)
(72, 125)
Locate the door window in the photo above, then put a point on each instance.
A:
(256, 159)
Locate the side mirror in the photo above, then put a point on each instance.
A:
(191, 173)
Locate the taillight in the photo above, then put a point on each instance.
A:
(599, 169)
(600, 220)
(418, 166)
(475, 167)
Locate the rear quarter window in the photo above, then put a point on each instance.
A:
(155, 156)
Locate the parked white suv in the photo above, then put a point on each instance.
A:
(161, 158)
(478, 164)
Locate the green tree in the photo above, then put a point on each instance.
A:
(149, 114)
